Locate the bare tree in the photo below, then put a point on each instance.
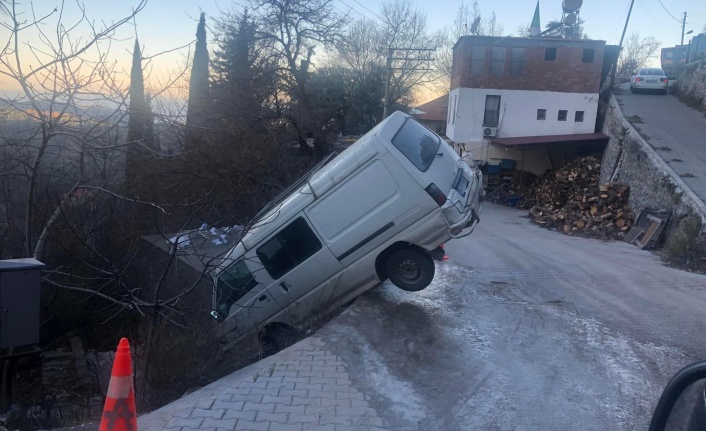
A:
(636, 53)
(363, 48)
(492, 27)
(406, 28)
(292, 30)
(466, 16)
(69, 78)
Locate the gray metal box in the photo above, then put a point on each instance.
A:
(19, 302)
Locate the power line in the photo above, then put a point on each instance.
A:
(665, 9)
(619, 21)
(651, 16)
(359, 13)
(374, 14)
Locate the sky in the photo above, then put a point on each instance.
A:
(167, 24)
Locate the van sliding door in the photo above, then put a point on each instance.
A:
(297, 261)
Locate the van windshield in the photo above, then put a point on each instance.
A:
(417, 143)
(233, 283)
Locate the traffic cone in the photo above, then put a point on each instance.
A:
(445, 256)
(119, 413)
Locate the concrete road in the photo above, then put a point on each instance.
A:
(525, 329)
(675, 130)
(522, 329)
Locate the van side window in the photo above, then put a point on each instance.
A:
(417, 143)
(288, 248)
(233, 283)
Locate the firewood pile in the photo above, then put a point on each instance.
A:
(522, 185)
(570, 201)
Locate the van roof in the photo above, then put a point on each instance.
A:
(323, 180)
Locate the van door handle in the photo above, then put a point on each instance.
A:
(284, 285)
(262, 298)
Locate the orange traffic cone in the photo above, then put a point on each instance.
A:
(445, 256)
(119, 413)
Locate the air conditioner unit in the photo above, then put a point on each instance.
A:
(490, 132)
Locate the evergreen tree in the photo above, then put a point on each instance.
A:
(244, 83)
(140, 126)
(198, 104)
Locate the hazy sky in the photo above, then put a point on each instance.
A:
(167, 24)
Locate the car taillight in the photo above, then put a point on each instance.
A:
(436, 194)
(664, 79)
(638, 79)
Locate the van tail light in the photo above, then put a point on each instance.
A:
(638, 79)
(664, 79)
(436, 194)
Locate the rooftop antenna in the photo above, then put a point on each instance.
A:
(474, 26)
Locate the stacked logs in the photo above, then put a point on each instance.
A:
(571, 201)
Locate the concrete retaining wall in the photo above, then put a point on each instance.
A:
(629, 159)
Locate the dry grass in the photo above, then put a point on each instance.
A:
(687, 246)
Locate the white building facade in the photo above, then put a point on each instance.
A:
(522, 87)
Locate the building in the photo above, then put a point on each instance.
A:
(539, 95)
(433, 114)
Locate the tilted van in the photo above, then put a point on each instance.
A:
(379, 210)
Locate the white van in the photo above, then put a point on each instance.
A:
(379, 210)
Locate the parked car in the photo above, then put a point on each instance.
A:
(652, 79)
(381, 209)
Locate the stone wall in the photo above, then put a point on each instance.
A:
(692, 84)
(629, 159)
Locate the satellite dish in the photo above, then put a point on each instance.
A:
(474, 26)
(570, 19)
(570, 6)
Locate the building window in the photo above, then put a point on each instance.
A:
(517, 61)
(588, 55)
(288, 248)
(578, 117)
(550, 54)
(562, 115)
(497, 65)
(492, 111)
(541, 114)
(478, 60)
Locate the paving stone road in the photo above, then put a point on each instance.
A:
(303, 388)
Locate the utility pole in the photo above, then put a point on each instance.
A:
(683, 28)
(622, 37)
(390, 68)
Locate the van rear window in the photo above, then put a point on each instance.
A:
(417, 143)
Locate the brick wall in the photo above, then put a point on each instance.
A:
(567, 73)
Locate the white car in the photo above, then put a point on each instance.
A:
(379, 210)
(652, 79)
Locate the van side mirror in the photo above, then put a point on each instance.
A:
(683, 402)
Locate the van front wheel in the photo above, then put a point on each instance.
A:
(410, 270)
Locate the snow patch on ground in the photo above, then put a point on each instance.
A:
(406, 403)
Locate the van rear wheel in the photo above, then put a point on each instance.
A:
(410, 270)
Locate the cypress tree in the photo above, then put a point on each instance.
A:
(197, 107)
(140, 126)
